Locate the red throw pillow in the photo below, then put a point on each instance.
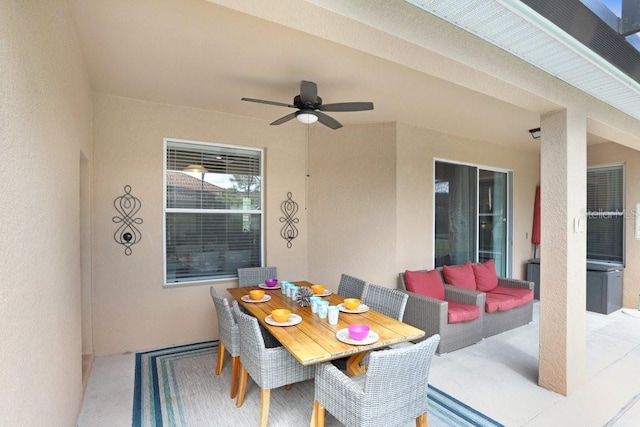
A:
(427, 283)
(460, 275)
(486, 277)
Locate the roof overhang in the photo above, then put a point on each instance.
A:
(548, 35)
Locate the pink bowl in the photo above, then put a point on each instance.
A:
(358, 331)
(271, 282)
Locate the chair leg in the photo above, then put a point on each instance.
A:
(265, 395)
(314, 416)
(220, 357)
(317, 416)
(243, 386)
(287, 387)
(421, 421)
(235, 372)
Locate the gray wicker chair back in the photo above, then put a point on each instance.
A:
(351, 287)
(229, 338)
(390, 302)
(256, 275)
(392, 392)
(268, 367)
(227, 326)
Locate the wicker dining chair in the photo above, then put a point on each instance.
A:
(387, 301)
(392, 392)
(229, 338)
(390, 302)
(256, 275)
(351, 287)
(269, 367)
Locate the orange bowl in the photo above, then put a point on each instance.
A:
(317, 289)
(256, 294)
(351, 303)
(280, 314)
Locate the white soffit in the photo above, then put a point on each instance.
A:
(514, 27)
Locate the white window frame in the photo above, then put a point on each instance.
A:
(603, 213)
(165, 210)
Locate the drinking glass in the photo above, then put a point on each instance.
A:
(314, 303)
(284, 287)
(333, 313)
(323, 309)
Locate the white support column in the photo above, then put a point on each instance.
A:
(563, 156)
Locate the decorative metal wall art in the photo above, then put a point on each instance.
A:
(289, 231)
(127, 233)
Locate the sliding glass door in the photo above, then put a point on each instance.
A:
(492, 218)
(472, 220)
(455, 214)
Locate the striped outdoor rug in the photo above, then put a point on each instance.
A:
(177, 386)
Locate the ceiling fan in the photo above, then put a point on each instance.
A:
(310, 107)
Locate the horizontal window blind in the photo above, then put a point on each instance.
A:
(213, 211)
(605, 213)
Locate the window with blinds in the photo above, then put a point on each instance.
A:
(605, 213)
(212, 210)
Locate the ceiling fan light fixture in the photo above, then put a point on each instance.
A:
(311, 109)
(306, 117)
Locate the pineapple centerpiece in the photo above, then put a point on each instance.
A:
(303, 296)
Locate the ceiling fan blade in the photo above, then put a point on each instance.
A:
(347, 106)
(284, 119)
(328, 120)
(308, 92)
(262, 101)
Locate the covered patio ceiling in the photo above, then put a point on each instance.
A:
(416, 67)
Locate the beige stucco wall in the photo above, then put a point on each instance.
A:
(45, 123)
(563, 338)
(132, 309)
(371, 198)
(352, 204)
(417, 149)
(611, 153)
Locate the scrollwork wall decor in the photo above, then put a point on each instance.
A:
(127, 233)
(289, 230)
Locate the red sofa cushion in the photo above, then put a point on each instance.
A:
(460, 275)
(503, 298)
(427, 283)
(486, 277)
(462, 312)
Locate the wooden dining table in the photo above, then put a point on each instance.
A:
(314, 340)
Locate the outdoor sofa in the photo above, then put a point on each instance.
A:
(506, 304)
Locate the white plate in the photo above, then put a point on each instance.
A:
(326, 293)
(343, 335)
(264, 286)
(294, 319)
(361, 308)
(247, 298)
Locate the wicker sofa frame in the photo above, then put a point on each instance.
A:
(502, 321)
(430, 315)
(420, 312)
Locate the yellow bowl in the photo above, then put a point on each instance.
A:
(317, 289)
(256, 294)
(280, 314)
(351, 303)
